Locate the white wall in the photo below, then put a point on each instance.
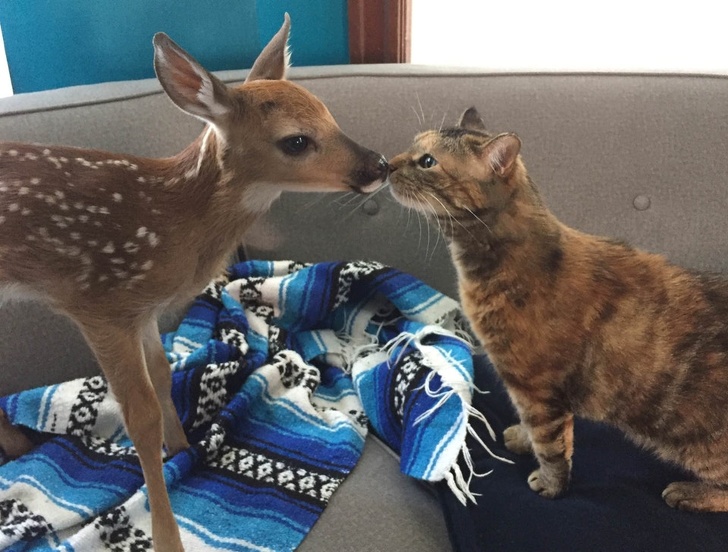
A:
(553, 35)
(6, 88)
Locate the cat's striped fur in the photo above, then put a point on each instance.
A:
(576, 325)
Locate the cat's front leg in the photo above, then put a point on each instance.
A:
(516, 439)
(552, 439)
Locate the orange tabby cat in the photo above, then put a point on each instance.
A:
(576, 324)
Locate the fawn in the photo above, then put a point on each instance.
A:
(113, 240)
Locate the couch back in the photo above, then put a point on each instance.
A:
(637, 157)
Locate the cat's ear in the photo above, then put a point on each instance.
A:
(472, 120)
(502, 152)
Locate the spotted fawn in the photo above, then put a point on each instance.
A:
(114, 240)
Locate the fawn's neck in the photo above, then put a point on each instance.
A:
(218, 200)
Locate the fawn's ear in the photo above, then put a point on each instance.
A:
(501, 153)
(275, 59)
(189, 85)
(471, 120)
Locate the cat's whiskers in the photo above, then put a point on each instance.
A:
(436, 215)
(440, 230)
(455, 219)
(366, 198)
(442, 123)
(422, 111)
(420, 121)
(318, 197)
(423, 205)
(416, 204)
(479, 219)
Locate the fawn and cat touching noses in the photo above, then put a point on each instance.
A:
(575, 324)
(113, 240)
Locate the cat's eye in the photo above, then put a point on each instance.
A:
(427, 161)
(294, 145)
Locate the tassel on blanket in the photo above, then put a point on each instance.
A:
(443, 359)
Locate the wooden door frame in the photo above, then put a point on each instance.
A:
(380, 31)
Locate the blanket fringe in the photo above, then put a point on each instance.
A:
(456, 480)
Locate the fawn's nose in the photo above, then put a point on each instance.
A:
(383, 166)
(371, 175)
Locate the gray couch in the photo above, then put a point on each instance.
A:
(638, 157)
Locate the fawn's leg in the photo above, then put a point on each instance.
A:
(161, 376)
(120, 354)
(12, 441)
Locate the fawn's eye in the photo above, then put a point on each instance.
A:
(294, 145)
(427, 161)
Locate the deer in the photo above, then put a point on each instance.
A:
(112, 241)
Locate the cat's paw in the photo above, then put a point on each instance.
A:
(516, 439)
(546, 487)
(696, 497)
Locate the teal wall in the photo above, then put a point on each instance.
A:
(56, 43)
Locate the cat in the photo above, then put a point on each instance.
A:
(575, 324)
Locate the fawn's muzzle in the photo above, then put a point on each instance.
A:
(372, 175)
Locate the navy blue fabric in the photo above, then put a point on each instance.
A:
(613, 504)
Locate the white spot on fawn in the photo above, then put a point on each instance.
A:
(141, 232)
(117, 197)
(153, 239)
(83, 218)
(12, 153)
(147, 265)
(109, 248)
(25, 211)
(23, 190)
(13, 207)
(55, 162)
(118, 260)
(131, 247)
(35, 181)
(2, 219)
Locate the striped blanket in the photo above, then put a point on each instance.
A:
(279, 369)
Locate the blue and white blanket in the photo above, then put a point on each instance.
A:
(278, 367)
